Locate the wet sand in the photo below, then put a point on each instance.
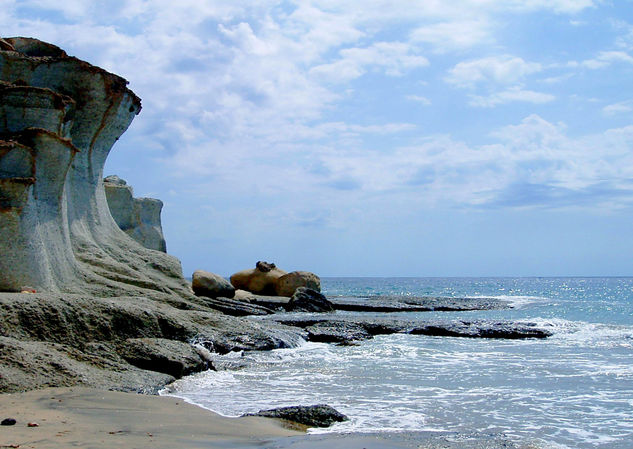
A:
(89, 418)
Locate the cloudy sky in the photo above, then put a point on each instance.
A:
(374, 137)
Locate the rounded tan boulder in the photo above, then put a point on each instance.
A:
(261, 280)
(289, 283)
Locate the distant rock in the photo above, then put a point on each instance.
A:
(289, 283)
(137, 217)
(308, 300)
(211, 285)
(262, 280)
(321, 415)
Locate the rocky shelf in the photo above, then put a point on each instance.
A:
(351, 329)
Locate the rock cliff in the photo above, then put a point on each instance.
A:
(60, 117)
(137, 217)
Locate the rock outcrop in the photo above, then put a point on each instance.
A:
(261, 280)
(59, 118)
(137, 217)
(308, 300)
(288, 284)
(212, 285)
(267, 279)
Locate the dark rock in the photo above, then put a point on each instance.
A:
(483, 329)
(8, 422)
(417, 304)
(337, 332)
(265, 267)
(355, 328)
(312, 416)
(211, 285)
(171, 357)
(307, 300)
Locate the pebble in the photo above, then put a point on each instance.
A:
(8, 422)
(33, 424)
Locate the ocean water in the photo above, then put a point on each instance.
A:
(572, 390)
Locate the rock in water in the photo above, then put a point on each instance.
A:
(321, 415)
(59, 117)
(137, 217)
(289, 283)
(261, 280)
(308, 300)
(211, 285)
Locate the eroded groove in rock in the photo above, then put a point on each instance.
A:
(44, 88)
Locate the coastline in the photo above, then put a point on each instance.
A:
(91, 418)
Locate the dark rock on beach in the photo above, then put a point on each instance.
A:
(321, 415)
(307, 300)
(8, 422)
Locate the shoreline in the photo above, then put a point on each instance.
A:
(101, 419)
(92, 418)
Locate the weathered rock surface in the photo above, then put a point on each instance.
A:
(307, 300)
(357, 328)
(287, 284)
(212, 285)
(321, 415)
(59, 117)
(137, 217)
(417, 304)
(122, 343)
(261, 280)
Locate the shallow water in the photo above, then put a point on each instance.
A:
(574, 389)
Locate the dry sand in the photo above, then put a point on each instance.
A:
(89, 418)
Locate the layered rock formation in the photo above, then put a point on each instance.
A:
(60, 117)
(137, 217)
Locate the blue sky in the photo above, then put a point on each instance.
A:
(417, 138)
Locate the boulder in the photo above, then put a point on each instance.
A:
(321, 415)
(137, 217)
(261, 280)
(308, 300)
(211, 285)
(289, 283)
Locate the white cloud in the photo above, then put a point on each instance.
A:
(510, 95)
(504, 69)
(454, 35)
(618, 108)
(394, 57)
(419, 99)
(605, 59)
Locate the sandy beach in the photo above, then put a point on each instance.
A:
(89, 418)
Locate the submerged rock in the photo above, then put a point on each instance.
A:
(137, 217)
(321, 415)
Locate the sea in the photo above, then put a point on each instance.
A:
(571, 390)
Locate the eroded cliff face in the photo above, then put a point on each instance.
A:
(59, 117)
(137, 217)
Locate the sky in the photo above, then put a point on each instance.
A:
(374, 137)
